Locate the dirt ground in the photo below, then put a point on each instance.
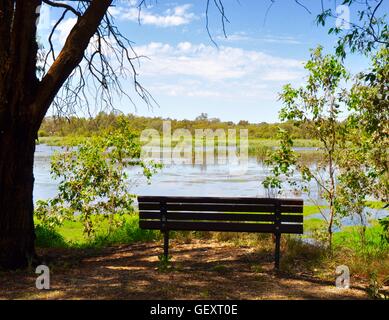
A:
(200, 270)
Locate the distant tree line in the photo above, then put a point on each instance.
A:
(89, 126)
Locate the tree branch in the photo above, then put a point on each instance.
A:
(70, 56)
(62, 5)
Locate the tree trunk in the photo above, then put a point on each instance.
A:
(17, 147)
(24, 101)
(330, 224)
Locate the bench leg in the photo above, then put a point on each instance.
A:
(277, 251)
(166, 244)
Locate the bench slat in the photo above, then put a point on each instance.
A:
(236, 200)
(208, 207)
(221, 226)
(220, 207)
(219, 216)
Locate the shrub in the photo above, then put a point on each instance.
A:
(42, 133)
(384, 222)
(48, 238)
(127, 233)
(94, 181)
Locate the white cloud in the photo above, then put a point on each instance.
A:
(210, 63)
(280, 39)
(176, 16)
(198, 70)
(243, 36)
(186, 88)
(237, 36)
(64, 29)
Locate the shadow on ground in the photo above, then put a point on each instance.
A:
(200, 270)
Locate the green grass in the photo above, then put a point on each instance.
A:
(73, 139)
(302, 143)
(376, 204)
(128, 233)
(363, 259)
(70, 234)
(313, 224)
(312, 209)
(49, 238)
(67, 141)
(350, 237)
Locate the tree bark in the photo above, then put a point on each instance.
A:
(16, 203)
(18, 84)
(24, 102)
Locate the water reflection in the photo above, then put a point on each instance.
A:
(186, 180)
(174, 179)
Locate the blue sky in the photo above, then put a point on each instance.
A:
(238, 80)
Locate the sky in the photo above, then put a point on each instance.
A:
(233, 78)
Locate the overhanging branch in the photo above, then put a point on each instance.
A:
(70, 56)
(62, 5)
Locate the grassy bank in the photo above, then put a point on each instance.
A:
(71, 232)
(56, 141)
(253, 143)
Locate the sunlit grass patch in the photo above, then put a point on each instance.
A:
(70, 234)
(312, 209)
(371, 246)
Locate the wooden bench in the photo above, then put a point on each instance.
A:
(261, 215)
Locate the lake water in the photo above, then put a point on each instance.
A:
(185, 180)
(173, 179)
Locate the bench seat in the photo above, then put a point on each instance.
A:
(223, 214)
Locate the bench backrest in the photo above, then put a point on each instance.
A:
(264, 215)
